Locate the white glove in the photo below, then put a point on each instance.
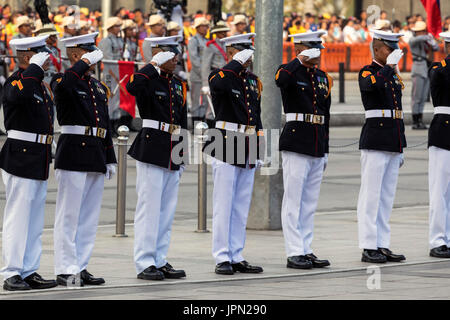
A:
(325, 162)
(39, 58)
(394, 57)
(182, 168)
(402, 160)
(243, 56)
(310, 53)
(93, 57)
(206, 90)
(110, 170)
(162, 57)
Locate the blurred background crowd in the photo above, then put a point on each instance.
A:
(339, 29)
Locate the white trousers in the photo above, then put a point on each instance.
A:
(23, 222)
(302, 176)
(157, 190)
(78, 204)
(379, 175)
(439, 188)
(232, 195)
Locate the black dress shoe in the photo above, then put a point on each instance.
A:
(224, 268)
(35, 281)
(390, 256)
(245, 267)
(299, 262)
(89, 279)
(151, 273)
(170, 273)
(62, 279)
(316, 262)
(440, 252)
(373, 256)
(15, 283)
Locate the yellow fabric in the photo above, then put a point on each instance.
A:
(295, 30)
(260, 88)
(366, 73)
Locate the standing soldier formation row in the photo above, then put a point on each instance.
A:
(85, 155)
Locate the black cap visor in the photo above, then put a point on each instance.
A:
(87, 46)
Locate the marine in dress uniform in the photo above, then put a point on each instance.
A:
(196, 48)
(214, 57)
(439, 156)
(112, 48)
(161, 99)
(235, 148)
(381, 143)
(84, 156)
(25, 159)
(305, 91)
(421, 45)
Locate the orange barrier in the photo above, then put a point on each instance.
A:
(288, 52)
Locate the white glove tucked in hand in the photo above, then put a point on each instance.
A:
(39, 58)
(243, 56)
(325, 162)
(182, 168)
(110, 170)
(93, 57)
(402, 161)
(310, 53)
(162, 57)
(206, 90)
(394, 57)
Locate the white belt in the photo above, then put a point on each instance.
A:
(84, 131)
(163, 126)
(442, 110)
(387, 113)
(31, 137)
(305, 117)
(236, 127)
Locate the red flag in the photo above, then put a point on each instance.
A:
(127, 101)
(434, 22)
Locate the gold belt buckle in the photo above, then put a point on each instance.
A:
(87, 131)
(250, 130)
(308, 117)
(101, 132)
(317, 119)
(398, 114)
(49, 139)
(174, 129)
